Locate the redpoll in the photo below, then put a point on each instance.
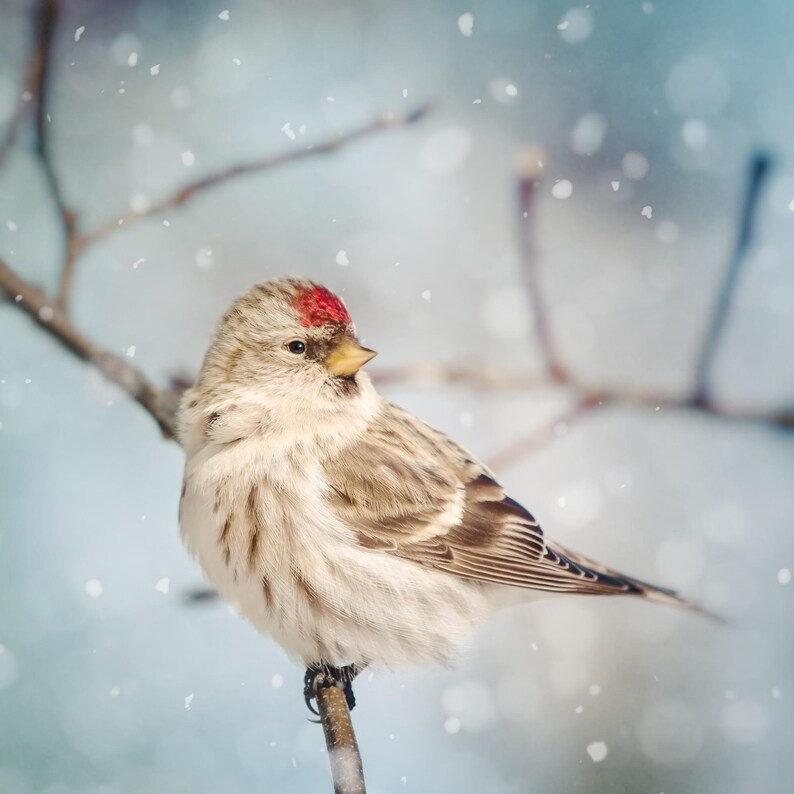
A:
(337, 523)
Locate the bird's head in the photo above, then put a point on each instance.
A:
(286, 344)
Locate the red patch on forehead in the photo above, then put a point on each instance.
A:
(319, 306)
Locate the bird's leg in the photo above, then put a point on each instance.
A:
(323, 675)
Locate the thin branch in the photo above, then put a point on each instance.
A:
(760, 167)
(343, 753)
(46, 23)
(24, 103)
(55, 322)
(483, 377)
(14, 125)
(528, 181)
(192, 189)
(537, 439)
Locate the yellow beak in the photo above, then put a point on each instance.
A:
(347, 358)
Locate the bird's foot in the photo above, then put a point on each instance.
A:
(322, 675)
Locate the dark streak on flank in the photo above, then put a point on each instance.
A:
(253, 518)
(313, 598)
(210, 421)
(266, 591)
(224, 539)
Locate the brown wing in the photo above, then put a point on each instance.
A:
(410, 491)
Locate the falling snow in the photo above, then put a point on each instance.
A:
(597, 751)
(466, 24)
(562, 189)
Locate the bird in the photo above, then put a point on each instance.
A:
(340, 525)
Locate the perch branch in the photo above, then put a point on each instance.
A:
(343, 753)
(760, 166)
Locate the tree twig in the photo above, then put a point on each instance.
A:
(523, 447)
(192, 189)
(528, 181)
(46, 22)
(343, 753)
(760, 166)
(486, 377)
(23, 105)
(55, 321)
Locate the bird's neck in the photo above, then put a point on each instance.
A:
(303, 421)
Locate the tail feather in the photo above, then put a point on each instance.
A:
(663, 595)
(611, 582)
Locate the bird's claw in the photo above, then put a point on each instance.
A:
(323, 676)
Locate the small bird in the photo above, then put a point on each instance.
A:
(337, 523)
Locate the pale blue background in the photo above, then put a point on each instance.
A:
(92, 690)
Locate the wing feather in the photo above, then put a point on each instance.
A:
(408, 490)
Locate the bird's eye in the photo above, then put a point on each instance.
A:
(297, 347)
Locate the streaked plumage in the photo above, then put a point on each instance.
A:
(336, 522)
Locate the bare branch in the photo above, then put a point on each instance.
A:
(24, 103)
(14, 125)
(537, 439)
(343, 752)
(191, 190)
(46, 21)
(760, 167)
(55, 321)
(529, 178)
(484, 377)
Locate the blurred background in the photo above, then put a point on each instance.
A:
(645, 116)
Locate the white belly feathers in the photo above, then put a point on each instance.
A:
(275, 552)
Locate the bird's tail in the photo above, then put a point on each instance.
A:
(663, 595)
(601, 580)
